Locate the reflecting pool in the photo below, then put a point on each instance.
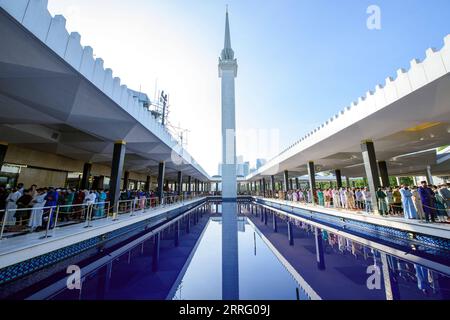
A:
(318, 264)
(261, 275)
(263, 255)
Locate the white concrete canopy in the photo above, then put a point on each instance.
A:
(55, 97)
(407, 118)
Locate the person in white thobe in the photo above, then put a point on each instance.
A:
(11, 207)
(336, 198)
(342, 198)
(89, 200)
(38, 211)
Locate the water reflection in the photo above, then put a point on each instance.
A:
(400, 279)
(330, 265)
(230, 258)
(250, 256)
(203, 278)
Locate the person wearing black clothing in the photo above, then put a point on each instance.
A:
(24, 202)
(3, 196)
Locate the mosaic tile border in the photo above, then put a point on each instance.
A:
(370, 229)
(27, 267)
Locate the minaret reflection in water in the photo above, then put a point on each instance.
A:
(230, 258)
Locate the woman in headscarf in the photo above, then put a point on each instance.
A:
(397, 201)
(350, 199)
(320, 197)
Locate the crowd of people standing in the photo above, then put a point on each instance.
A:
(31, 208)
(425, 202)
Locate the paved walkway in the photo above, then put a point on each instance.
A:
(436, 229)
(16, 249)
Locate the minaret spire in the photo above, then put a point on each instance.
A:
(228, 72)
(227, 52)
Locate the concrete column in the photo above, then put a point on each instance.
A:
(290, 233)
(312, 180)
(180, 183)
(382, 167)
(126, 179)
(347, 181)
(177, 234)
(264, 187)
(338, 174)
(272, 183)
(319, 249)
(390, 279)
(217, 187)
(189, 185)
(85, 177)
(274, 222)
(370, 165)
(155, 256)
(3, 150)
(116, 171)
(98, 183)
(188, 223)
(286, 181)
(148, 183)
(161, 174)
(297, 184)
(397, 179)
(429, 175)
(265, 216)
(103, 278)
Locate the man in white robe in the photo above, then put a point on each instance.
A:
(11, 207)
(38, 211)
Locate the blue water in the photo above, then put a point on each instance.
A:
(345, 274)
(251, 262)
(261, 275)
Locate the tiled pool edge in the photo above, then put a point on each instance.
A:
(26, 267)
(304, 286)
(370, 228)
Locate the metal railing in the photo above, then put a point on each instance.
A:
(357, 206)
(49, 218)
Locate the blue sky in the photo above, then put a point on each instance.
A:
(300, 61)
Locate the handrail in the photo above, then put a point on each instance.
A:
(366, 209)
(86, 211)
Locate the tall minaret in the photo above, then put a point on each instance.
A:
(228, 72)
